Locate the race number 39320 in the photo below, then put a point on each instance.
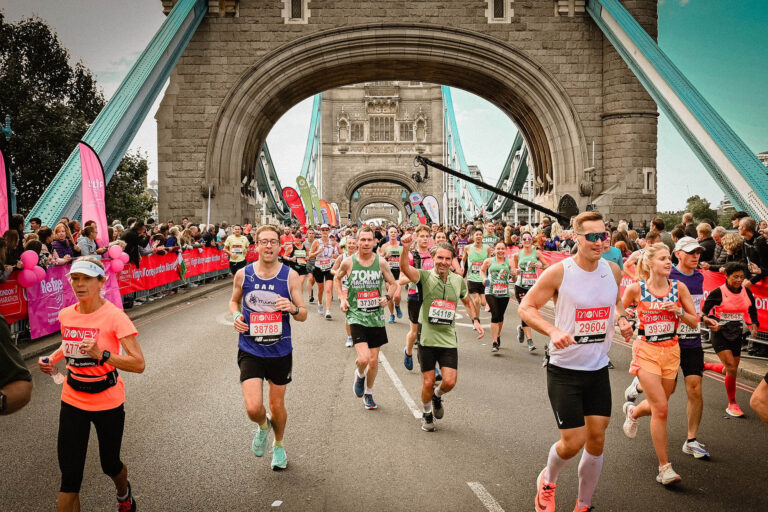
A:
(591, 324)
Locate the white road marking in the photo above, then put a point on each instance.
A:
(399, 386)
(485, 497)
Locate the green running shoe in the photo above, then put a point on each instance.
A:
(279, 460)
(259, 444)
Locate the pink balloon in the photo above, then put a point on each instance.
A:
(117, 266)
(115, 251)
(124, 256)
(39, 273)
(29, 259)
(27, 278)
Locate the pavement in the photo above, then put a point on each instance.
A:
(187, 437)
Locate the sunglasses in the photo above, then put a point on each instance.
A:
(595, 237)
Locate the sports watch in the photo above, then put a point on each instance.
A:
(104, 356)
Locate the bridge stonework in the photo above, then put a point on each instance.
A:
(547, 66)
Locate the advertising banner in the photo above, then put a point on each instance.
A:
(13, 305)
(294, 202)
(330, 212)
(335, 208)
(93, 189)
(415, 198)
(433, 210)
(316, 203)
(4, 217)
(306, 198)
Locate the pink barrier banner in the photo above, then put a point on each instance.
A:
(93, 190)
(13, 304)
(4, 218)
(252, 254)
(205, 260)
(53, 294)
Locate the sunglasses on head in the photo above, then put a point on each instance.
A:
(595, 237)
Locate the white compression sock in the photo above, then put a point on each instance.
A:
(589, 474)
(426, 406)
(368, 391)
(439, 391)
(358, 374)
(555, 464)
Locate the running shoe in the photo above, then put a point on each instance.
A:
(630, 394)
(715, 367)
(437, 406)
(610, 365)
(531, 346)
(368, 402)
(128, 504)
(311, 299)
(407, 361)
(427, 422)
(320, 309)
(667, 475)
(734, 410)
(520, 334)
(495, 347)
(391, 319)
(398, 311)
(487, 308)
(585, 508)
(259, 444)
(696, 449)
(438, 375)
(279, 460)
(545, 494)
(359, 386)
(630, 424)
(349, 343)
(328, 315)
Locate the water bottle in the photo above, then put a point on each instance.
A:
(57, 376)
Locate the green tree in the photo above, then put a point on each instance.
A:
(671, 219)
(51, 104)
(700, 208)
(126, 195)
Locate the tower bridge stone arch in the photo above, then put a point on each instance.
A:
(357, 208)
(556, 77)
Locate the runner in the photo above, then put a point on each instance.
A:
(731, 306)
(489, 241)
(236, 246)
(455, 264)
(496, 274)
(310, 263)
(440, 292)
(350, 249)
(325, 252)
(474, 256)
(688, 252)
(391, 252)
(420, 258)
(525, 264)
(577, 368)
(759, 400)
(366, 271)
(661, 305)
(93, 332)
(265, 295)
(296, 258)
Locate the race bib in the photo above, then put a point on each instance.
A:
(394, 257)
(500, 289)
(686, 332)
(528, 279)
(731, 317)
(323, 264)
(266, 327)
(301, 257)
(476, 265)
(591, 325)
(368, 301)
(72, 339)
(427, 264)
(237, 249)
(658, 326)
(441, 312)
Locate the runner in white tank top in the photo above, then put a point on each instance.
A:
(585, 289)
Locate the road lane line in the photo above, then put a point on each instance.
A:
(399, 386)
(485, 497)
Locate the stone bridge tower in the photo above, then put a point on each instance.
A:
(543, 62)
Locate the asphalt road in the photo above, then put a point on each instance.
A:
(187, 439)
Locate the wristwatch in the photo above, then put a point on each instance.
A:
(3, 402)
(297, 311)
(388, 297)
(476, 319)
(104, 356)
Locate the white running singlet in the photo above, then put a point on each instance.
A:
(585, 308)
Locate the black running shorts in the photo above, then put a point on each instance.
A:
(574, 394)
(276, 370)
(373, 336)
(720, 343)
(235, 266)
(322, 276)
(475, 287)
(395, 273)
(692, 361)
(520, 293)
(414, 308)
(444, 356)
(498, 307)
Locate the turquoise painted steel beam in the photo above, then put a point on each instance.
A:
(114, 128)
(506, 170)
(309, 165)
(266, 178)
(731, 163)
(521, 170)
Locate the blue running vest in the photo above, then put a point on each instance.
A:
(269, 332)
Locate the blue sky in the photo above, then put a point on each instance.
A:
(719, 45)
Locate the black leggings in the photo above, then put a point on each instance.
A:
(74, 430)
(519, 294)
(498, 307)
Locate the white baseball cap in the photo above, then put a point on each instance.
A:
(687, 244)
(88, 268)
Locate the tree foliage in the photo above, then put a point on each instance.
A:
(126, 195)
(700, 208)
(51, 104)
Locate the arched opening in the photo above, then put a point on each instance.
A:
(499, 73)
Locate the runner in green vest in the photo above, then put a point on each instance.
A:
(525, 264)
(475, 255)
(496, 274)
(391, 252)
(362, 302)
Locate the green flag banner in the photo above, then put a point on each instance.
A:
(306, 198)
(316, 203)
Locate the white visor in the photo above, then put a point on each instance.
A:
(86, 267)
